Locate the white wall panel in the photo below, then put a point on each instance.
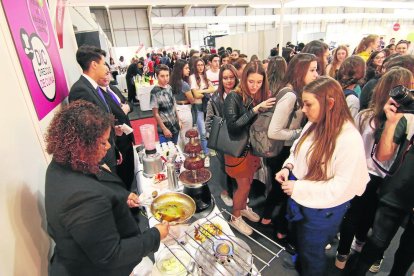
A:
(144, 37)
(120, 38)
(141, 16)
(129, 19)
(117, 19)
(132, 37)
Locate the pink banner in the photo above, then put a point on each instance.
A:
(34, 40)
(60, 14)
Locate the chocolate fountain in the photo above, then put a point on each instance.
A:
(195, 177)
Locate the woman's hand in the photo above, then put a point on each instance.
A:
(390, 109)
(265, 105)
(287, 187)
(282, 175)
(163, 228)
(133, 200)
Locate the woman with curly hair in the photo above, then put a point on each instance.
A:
(87, 209)
(322, 174)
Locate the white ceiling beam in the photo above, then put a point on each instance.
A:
(272, 18)
(186, 10)
(220, 9)
(334, 3)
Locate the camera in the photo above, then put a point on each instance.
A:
(404, 97)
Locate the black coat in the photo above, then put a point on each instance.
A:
(239, 116)
(91, 224)
(123, 143)
(83, 90)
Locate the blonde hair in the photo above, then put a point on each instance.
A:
(366, 42)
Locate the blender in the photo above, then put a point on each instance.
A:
(151, 160)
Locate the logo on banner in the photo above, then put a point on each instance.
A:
(42, 65)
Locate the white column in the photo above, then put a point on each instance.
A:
(282, 13)
(149, 11)
(111, 26)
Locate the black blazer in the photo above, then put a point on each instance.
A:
(120, 116)
(91, 224)
(82, 89)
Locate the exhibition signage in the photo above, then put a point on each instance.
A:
(35, 43)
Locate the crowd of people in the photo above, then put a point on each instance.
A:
(344, 166)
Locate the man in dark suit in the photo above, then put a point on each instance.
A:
(120, 108)
(92, 61)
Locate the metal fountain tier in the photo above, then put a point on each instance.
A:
(195, 178)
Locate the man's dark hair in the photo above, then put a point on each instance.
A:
(86, 54)
(161, 67)
(273, 52)
(192, 52)
(212, 56)
(229, 50)
(164, 53)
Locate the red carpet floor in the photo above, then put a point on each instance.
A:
(135, 125)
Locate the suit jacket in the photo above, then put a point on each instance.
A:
(92, 226)
(123, 143)
(120, 116)
(83, 90)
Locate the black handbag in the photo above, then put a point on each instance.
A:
(221, 141)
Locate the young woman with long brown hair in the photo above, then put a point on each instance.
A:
(240, 108)
(300, 72)
(228, 81)
(321, 51)
(359, 218)
(325, 170)
(339, 55)
(374, 65)
(201, 88)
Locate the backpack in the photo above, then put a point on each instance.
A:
(349, 92)
(261, 144)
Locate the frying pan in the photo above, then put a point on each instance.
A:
(173, 207)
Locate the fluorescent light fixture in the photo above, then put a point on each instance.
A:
(339, 3)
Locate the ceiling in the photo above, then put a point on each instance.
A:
(396, 4)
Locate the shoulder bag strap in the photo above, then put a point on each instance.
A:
(400, 151)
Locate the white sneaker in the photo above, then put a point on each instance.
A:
(207, 162)
(375, 267)
(248, 213)
(226, 199)
(212, 152)
(328, 246)
(241, 226)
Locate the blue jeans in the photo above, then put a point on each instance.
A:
(201, 126)
(314, 232)
(164, 139)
